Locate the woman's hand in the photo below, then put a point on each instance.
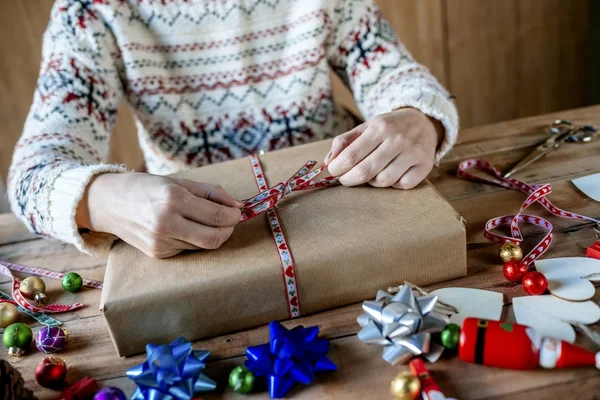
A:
(395, 149)
(160, 216)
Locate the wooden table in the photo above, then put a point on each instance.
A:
(362, 373)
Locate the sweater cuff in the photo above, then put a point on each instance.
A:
(438, 106)
(67, 191)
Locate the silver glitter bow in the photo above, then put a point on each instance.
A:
(403, 324)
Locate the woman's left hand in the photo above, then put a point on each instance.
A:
(395, 149)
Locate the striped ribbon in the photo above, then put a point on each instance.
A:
(535, 194)
(39, 317)
(18, 297)
(265, 202)
(48, 274)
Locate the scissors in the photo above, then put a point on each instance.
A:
(561, 131)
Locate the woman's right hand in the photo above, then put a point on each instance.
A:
(160, 216)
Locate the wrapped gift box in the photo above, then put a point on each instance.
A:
(346, 243)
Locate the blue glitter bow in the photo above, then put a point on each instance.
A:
(290, 356)
(171, 372)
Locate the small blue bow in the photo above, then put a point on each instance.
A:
(171, 372)
(290, 356)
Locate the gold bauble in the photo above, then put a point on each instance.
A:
(31, 286)
(510, 251)
(8, 314)
(406, 386)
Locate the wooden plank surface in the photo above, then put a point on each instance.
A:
(362, 373)
(514, 58)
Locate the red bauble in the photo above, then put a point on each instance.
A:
(51, 372)
(514, 270)
(535, 283)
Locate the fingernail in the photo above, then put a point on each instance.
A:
(327, 157)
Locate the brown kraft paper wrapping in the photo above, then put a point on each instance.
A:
(346, 243)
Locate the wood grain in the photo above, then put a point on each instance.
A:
(483, 57)
(552, 67)
(362, 373)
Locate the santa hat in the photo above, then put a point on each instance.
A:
(559, 354)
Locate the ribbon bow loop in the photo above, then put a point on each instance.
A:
(268, 198)
(171, 372)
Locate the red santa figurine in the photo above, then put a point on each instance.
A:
(594, 250)
(513, 346)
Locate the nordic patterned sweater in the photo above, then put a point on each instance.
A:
(209, 80)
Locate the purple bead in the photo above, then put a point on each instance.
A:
(110, 393)
(50, 339)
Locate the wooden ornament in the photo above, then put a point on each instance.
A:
(471, 303)
(570, 278)
(545, 324)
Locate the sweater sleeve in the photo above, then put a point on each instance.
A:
(66, 135)
(366, 53)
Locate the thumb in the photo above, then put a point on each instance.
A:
(210, 192)
(344, 140)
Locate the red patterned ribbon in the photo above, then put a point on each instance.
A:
(266, 201)
(48, 274)
(20, 300)
(536, 193)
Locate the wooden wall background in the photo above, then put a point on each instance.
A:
(502, 59)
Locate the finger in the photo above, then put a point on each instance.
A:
(157, 247)
(214, 193)
(394, 170)
(209, 213)
(355, 152)
(342, 141)
(414, 176)
(368, 168)
(205, 237)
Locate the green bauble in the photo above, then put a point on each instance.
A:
(72, 282)
(17, 335)
(450, 336)
(241, 380)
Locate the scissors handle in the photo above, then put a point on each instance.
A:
(582, 134)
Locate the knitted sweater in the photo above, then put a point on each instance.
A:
(209, 80)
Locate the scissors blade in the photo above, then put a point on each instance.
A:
(530, 159)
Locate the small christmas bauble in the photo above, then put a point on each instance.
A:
(514, 270)
(72, 282)
(17, 338)
(51, 372)
(241, 380)
(110, 393)
(50, 339)
(450, 336)
(8, 314)
(406, 386)
(535, 283)
(34, 288)
(510, 251)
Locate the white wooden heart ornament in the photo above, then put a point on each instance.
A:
(550, 315)
(566, 276)
(471, 303)
(590, 185)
